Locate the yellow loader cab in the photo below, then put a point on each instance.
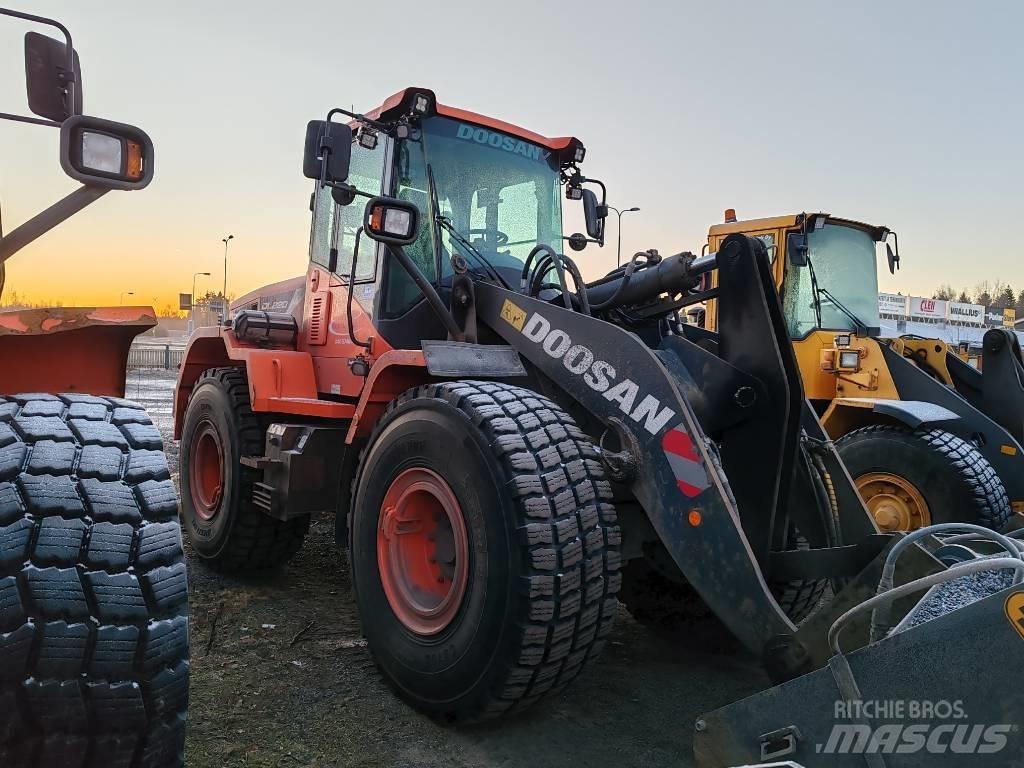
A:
(925, 440)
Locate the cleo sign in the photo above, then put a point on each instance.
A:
(930, 309)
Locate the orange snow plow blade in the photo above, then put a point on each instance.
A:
(62, 349)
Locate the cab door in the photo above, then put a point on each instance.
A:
(332, 254)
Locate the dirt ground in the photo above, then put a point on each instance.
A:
(281, 676)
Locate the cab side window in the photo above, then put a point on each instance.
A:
(337, 224)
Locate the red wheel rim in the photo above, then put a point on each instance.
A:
(206, 471)
(422, 551)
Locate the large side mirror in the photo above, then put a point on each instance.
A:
(594, 213)
(327, 142)
(47, 78)
(102, 153)
(796, 248)
(391, 221)
(892, 258)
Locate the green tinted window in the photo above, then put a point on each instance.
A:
(335, 224)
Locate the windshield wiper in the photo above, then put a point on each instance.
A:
(444, 221)
(860, 326)
(815, 292)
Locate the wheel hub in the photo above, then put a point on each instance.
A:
(422, 551)
(206, 471)
(893, 501)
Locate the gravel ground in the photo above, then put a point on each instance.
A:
(281, 676)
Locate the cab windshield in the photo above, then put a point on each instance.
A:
(842, 259)
(498, 192)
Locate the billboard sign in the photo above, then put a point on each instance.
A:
(1009, 317)
(928, 309)
(185, 301)
(993, 317)
(892, 304)
(966, 313)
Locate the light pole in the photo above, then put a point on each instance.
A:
(192, 308)
(125, 293)
(618, 255)
(224, 297)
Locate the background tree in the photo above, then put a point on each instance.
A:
(1020, 304)
(964, 298)
(1002, 296)
(944, 292)
(983, 293)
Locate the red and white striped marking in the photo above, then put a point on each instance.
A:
(691, 477)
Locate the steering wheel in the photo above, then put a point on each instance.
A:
(500, 237)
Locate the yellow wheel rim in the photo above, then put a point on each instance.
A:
(894, 502)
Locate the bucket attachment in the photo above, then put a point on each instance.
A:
(924, 693)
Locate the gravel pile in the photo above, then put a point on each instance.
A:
(957, 594)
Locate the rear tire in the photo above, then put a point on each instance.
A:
(957, 483)
(541, 539)
(227, 530)
(93, 593)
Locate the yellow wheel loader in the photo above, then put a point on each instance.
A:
(927, 437)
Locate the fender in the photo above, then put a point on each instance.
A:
(845, 414)
(280, 380)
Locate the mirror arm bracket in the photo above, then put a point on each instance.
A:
(30, 120)
(49, 218)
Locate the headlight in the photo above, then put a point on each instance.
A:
(392, 221)
(849, 360)
(103, 153)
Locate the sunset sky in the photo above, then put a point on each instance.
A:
(903, 114)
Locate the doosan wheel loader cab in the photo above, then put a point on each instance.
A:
(93, 596)
(927, 438)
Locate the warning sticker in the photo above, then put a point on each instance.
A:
(513, 315)
(1014, 608)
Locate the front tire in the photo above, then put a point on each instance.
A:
(93, 594)
(227, 530)
(913, 478)
(534, 570)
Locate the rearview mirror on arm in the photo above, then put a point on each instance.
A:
(796, 248)
(594, 213)
(48, 79)
(328, 151)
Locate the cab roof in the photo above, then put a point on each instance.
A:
(398, 103)
(793, 220)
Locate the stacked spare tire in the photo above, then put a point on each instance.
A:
(93, 593)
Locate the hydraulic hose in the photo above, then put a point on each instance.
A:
(880, 617)
(885, 599)
(673, 274)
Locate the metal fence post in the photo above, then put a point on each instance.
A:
(167, 357)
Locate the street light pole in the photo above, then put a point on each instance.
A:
(123, 294)
(224, 297)
(192, 307)
(618, 255)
